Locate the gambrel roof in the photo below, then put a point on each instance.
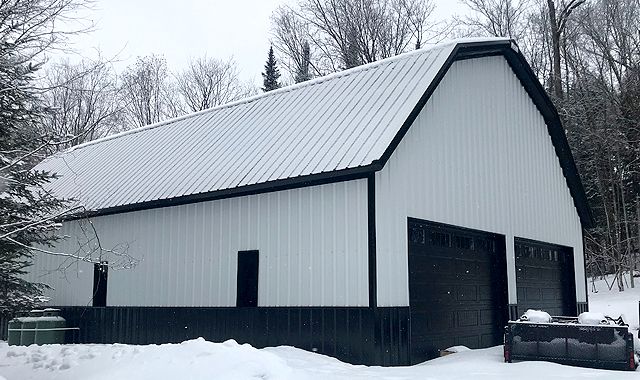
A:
(343, 125)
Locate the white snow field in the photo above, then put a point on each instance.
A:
(615, 303)
(199, 359)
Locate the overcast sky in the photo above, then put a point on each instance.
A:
(184, 29)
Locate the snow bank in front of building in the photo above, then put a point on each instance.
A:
(200, 360)
(194, 359)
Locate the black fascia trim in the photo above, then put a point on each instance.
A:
(538, 95)
(584, 266)
(260, 188)
(371, 231)
(556, 131)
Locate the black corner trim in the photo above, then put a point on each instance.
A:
(584, 266)
(371, 231)
(538, 95)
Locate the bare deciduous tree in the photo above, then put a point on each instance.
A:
(148, 96)
(291, 38)
(559, 13)
(83, 101)
(499, 18)
(209, 82)
(344, 33)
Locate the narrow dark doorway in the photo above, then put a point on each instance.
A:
(247, 280)
(100, 274)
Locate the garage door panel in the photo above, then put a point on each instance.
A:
(468, 318)
(433, 320)
(439, 321)
(520, 292)
(435, 296)
(487, 317)
(457, 285)
(467, 293)
(485, 293)
(550, 294)
(487, 340)
(433, 265)
(532, 294)
(472, 269)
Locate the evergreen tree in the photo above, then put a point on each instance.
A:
(24, 205)
(303, 73)
(352, 53)
(28, 213)
(271, 73)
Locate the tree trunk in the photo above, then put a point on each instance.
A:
(635, 254)
(555, 48)
(629, 251)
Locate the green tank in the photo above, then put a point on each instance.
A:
(29, 324)
(50, 327)
(13, 334)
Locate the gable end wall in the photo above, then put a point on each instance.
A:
(478, 156)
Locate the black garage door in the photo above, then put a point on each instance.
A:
(457, 288)
(545, 278)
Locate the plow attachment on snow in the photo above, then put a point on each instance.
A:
(565, 341)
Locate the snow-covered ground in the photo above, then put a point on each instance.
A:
(615, 303)
(199, 359)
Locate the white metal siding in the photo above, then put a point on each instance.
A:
(70, 280)
(312, 243)
(477, 156)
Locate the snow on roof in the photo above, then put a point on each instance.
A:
(340, 121)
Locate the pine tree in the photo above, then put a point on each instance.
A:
(28, 212)
(271, 73)
(24, 205)
(352, 53)
(303, 73)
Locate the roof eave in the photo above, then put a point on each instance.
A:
(360, 172)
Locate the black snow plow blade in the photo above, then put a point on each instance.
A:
(564, 341)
